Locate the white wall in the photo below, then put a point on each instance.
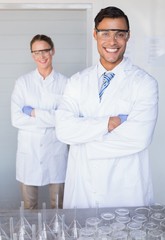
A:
(146, 48)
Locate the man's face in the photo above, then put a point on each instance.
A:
(111, 44)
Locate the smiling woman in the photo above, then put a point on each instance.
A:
(34, 101)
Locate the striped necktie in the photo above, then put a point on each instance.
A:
(106, 80)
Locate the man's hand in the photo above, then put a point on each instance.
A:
(113, 123)
(116, 121)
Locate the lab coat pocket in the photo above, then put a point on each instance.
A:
(23, 142)
(123, 106)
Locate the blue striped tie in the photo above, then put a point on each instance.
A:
(106, 80)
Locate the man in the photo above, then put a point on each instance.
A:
(41, 157)
(109, 129)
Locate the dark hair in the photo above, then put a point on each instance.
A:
(110, 12)
(42, 37)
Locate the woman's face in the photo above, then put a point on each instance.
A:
(42, 54)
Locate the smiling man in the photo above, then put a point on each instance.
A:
(41, 158)
(108, 115)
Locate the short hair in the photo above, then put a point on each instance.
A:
(42, 37)
(110, 12)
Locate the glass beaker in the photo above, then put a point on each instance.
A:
(93, 222)
(156, 234)
(117, 226)
(156, 207)
(104, 232)
(158, 217)
(162, 225)
(134, 226)
(139, 218)
(123, 219)
(122, 211)
(120, 235)
(142, 211)
(138, 235)
(107, 217)
(87, 233)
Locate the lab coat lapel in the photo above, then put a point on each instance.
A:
(93, 83)
(114, 87)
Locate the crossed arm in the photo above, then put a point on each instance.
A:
(112, 123)
(116, 121)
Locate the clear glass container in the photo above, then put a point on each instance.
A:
(107, 218)
(116, 226)
(155, 234)
(120, 235)
(157, 217)
(134, 226)
(148, 226)
(157, 207)
(139, 218)
(123, 219)
(87, 233)
(122, 211)
(138, 235)
(142, 211)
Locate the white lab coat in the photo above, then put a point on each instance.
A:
(41, 158)
(110, 169)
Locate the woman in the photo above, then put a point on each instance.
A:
(41, 158)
